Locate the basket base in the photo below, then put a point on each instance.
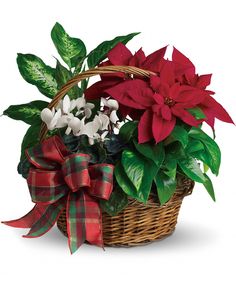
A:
(140, 224)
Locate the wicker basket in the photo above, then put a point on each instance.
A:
(138, 223)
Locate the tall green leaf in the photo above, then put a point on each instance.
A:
(154, 152)
(191, 169)
(63, 75)
(165, 186)
(28, 113)
(100, 52)
(72, 50)
(211, 147)
(30, 139)
(37, 73)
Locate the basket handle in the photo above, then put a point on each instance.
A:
(130, 70)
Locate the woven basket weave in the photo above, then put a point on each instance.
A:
(138, 223)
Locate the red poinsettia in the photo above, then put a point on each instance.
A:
(120, 55)
(162, 101)
(167, 96)
(185, 73)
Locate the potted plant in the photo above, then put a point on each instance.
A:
(111, 163)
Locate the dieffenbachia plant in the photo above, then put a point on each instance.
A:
(49, 79)
(150, 129)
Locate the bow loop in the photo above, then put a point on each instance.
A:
(75, 171)
(101, 180)
(59, 180)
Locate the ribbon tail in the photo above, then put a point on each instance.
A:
(29, 219)
(75, 215)
(47, 219)
(93, 221)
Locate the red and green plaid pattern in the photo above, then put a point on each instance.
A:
(59, 179)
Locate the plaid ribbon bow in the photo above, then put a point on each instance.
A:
(58, 180)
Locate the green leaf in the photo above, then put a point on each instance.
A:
(124, 182)
(165, 186)
(154, 152)
(191, 169)
(127, 131)
(63, 75)
(209, 187)
(178, 134)
(28, 113)
(170, 167)
(205, 167)
(194, 145)
(175, 151)
(100, 52)
(37, 73)
(211, 148)
(134, 167)
(116, 203)
(140, 171)
(30, 139)
(128, 187)
(197, 113)
(72, 50)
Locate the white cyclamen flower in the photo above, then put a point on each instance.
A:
(113, 117)
(50, 117)
(89, 129)
(98, 137)
(64, 120)
(84, 107)
(103, 121)
(66, 105)
(74, 125)
(110, 103)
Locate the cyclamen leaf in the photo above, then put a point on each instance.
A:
(154, 152)
(213, 150)
(28, 113)
(117, 201)
(72, 50)
(37, 73)
(30, 139)
(100, 52)
(165, 187)
(191, 169)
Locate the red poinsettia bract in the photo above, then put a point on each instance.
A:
(167, 96)
(162, 100)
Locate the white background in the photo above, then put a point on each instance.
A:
(203, 247)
